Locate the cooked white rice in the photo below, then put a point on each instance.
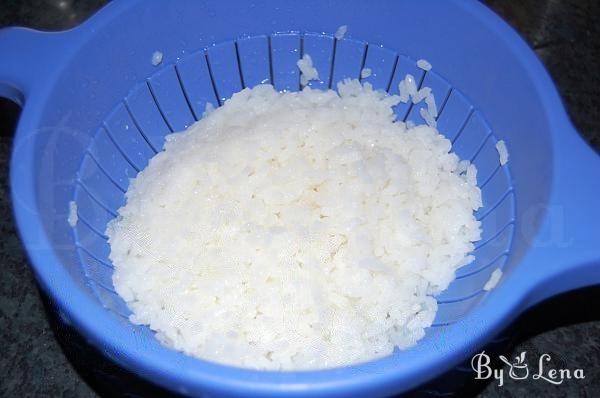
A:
(365, 72)
(502, 152)
(421, 95)
(72, 218)
(307, 71)
(431, 106)
(341, 32)
(408, 91)
(295, 230)
(407, 88)
(494, 279)
(157, 58)
(428, 117)
(424, 64)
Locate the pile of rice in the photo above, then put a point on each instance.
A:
(295, 230)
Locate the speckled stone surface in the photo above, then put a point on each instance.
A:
(569, 347)
(566, 36)
(31, 362)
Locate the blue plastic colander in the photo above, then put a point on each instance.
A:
(95, 109)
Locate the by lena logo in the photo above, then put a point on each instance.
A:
(519, 369)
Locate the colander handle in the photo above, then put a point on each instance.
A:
(26, 57)
(565, 254)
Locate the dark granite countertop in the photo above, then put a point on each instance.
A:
(566, 36)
